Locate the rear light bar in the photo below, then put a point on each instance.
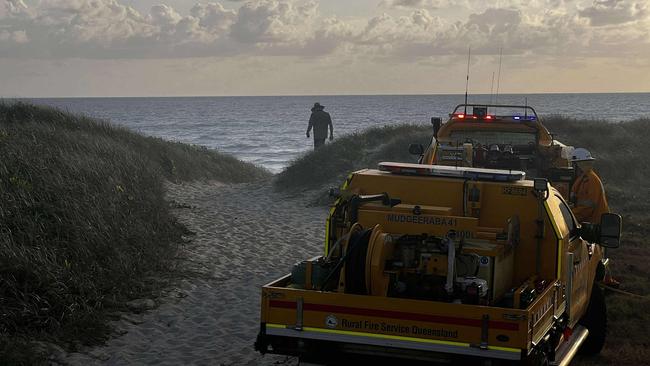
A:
(494, 175)
(490, 117)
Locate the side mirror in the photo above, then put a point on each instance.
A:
(611, 227)
(416, 149)
(540, 184)
(437, 123)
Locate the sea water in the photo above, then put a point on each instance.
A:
(270, 131)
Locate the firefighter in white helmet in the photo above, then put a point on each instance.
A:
(587, 194)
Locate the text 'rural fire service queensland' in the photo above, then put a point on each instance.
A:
(397, 328)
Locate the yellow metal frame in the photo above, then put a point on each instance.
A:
(516, 352)
(461, 321)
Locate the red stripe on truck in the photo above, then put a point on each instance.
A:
(395, 315)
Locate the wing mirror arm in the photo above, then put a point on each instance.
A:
(436, 122)
(607, 233)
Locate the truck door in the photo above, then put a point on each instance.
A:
(580, 278)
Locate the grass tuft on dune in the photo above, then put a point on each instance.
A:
(331, 163)
(83, 219)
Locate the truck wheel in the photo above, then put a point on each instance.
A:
(537, 358)
(595, 320)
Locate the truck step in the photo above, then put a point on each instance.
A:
(568, 349)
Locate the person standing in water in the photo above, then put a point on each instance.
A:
(319, 120)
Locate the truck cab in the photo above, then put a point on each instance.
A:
(500, 137)
(431, 262)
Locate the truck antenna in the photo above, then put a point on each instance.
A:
(492, 88)
(526, 108)
(496, 101)
(469, 53)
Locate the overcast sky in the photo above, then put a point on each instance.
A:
(296, 47)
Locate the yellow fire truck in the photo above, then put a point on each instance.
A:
(435, 262)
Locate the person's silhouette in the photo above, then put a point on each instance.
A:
(320, 120)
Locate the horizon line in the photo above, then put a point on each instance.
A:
(309, 95)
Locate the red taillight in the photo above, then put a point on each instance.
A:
(489, 117)
(460, 115)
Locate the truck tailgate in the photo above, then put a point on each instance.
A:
(392, 322)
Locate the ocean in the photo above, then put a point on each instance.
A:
(270, 131)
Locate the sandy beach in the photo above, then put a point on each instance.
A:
(246, 235)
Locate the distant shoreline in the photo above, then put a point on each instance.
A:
(313, 95)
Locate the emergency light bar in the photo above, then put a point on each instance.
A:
(493, 175)
(479, 112)
(490, 117)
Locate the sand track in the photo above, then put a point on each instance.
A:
(246, 235)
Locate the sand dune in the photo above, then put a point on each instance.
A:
(246, 235)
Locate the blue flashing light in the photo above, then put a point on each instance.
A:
(527, 118)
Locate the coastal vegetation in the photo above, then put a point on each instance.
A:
(330, 164)
(84, 225)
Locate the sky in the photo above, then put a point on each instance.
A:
(59, 48)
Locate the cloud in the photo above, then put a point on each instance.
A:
(14, 6)
(15, 36)
(612, 12)
(411, 4)
(272, 21)
(387, 30)
(213, 17)
(109, 29)
(164, 16)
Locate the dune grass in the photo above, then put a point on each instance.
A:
(83, 220)
(330, 164)
(619, 147)
(621, 150)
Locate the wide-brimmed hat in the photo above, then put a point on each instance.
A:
(317, 106)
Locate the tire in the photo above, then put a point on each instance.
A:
(539, 356)
(595, 320)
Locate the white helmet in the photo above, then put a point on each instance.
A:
(581, 154)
